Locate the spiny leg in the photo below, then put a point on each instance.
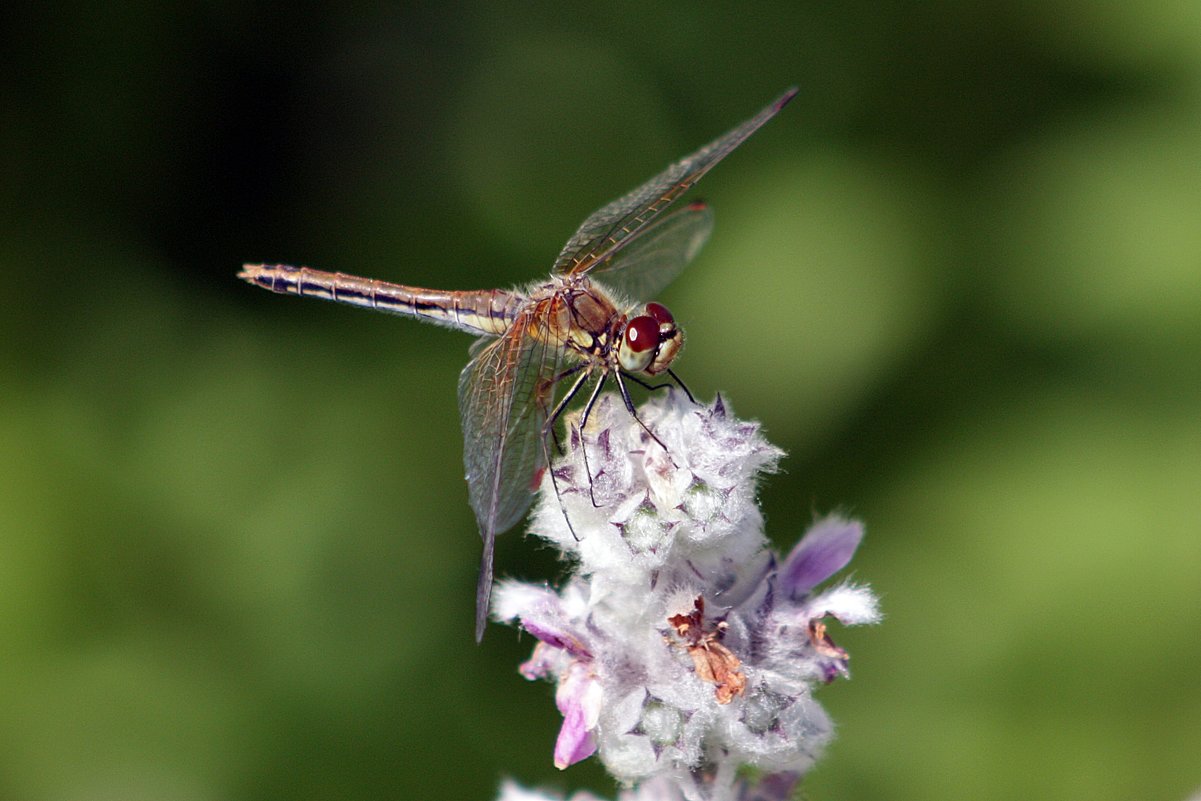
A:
(600, 384)
(625, 396)
(553, 417)
(643, 384)
(554, 482)
(549, 428)
(664, 385)
(683, 386)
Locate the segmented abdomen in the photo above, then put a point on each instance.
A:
(485, 311)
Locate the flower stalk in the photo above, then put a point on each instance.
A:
(683, 648)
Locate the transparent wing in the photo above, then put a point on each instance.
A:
(503, 402)
(657, 253)
(607, 230)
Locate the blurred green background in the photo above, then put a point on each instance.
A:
(958, 279)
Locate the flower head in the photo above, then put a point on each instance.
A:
(682, 647)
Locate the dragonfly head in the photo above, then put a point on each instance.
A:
(650, 341)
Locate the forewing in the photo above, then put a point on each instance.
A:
(606, 231)
(503, 413)
(657, 254)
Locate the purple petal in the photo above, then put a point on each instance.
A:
(575, 742)
(542, 613)
(578, 698)
(824, 550)
(557, 639)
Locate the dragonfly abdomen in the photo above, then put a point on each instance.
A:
(486, 311)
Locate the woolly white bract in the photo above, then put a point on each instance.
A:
(682, 647)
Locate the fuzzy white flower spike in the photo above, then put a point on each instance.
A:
(682, 647)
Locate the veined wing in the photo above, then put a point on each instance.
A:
(654, 256)
(503, 402)
(607, 230)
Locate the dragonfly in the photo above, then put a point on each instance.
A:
(541, 344)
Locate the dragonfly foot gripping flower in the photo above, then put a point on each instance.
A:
(684, 650)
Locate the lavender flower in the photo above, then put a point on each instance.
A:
(682, 648)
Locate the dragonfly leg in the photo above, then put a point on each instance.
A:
(549, 430)
(625, 396)
(584, 422)
(683, 386)
(554, 482)
(552, 418)
(664, 385)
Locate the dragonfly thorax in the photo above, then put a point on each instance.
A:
(649, 342)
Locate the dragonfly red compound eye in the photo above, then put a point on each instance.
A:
(642, 334)
(660, 313)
